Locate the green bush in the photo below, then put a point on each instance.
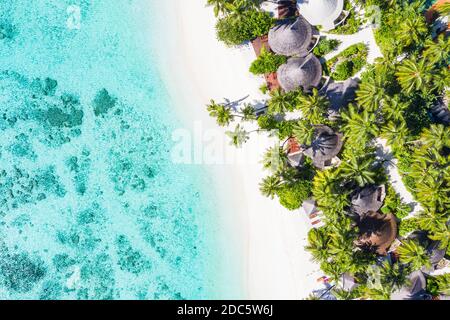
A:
(267, 62)
(291, 196)
(393, 204)
(348, 62)
(325, 46)
(237, 28)
(408, 225)
(351, 24)
(439, 284)
(343, 71)
(267, 122)
(285, 129)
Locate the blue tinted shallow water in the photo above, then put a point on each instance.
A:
(90, 205)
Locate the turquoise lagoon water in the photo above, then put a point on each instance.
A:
(90, 205)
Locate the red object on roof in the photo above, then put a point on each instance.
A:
(293, 146)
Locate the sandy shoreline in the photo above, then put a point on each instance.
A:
(268, 239)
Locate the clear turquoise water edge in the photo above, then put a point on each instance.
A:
(91, 206)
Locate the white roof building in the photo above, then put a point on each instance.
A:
(321, 12)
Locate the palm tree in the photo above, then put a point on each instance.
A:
(437, 136)
(440, 231)
(359, 170)
(274, 159)
(415, 74)
(379, 293)
(396, 133)
(303, 132)
(248, 112)
(221, 112)
(437, 51)
(433, 193)
(441, 79)
(318, 244)
(360, 128)
(325, 185)
(412, 30)
(443, 283)
(371, 94)
(313, 106)
(413, 254)
(393, 275)
(238, 137)
(280, 102)
(220, 6)
(270, 185)
(232, 6)
(394, 108)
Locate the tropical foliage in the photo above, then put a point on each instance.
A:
(392, 108)
(267, 62)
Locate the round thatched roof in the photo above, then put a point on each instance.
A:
(368, 199)
(291, 37)
(415, 289)
(302, 73)
(325, 146)
(321, 12)
(377, 231)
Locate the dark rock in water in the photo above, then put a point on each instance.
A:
(50, 86)
(7, 31)
(103, 102)
(130, 260)
(20, 273)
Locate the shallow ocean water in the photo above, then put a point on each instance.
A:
(91, 206)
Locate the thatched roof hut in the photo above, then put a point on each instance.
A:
(325, 146)
(415, 289)
(377, 232)
(321, 12)
(291, 37)
(296, 73)
(368, 199)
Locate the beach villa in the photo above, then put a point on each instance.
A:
(325, 147)
(327, 14)
(368, 199)
(377, 232)
(293, 38)
(304, 73)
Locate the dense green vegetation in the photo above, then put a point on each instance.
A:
(348, 62)
(267, 62)
(393, 102)
(240, 20)
(326, 46)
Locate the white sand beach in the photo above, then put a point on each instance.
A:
(271, 239)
